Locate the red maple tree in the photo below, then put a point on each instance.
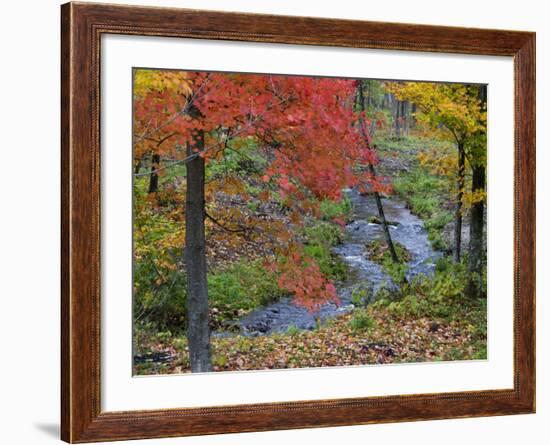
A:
(311, 133)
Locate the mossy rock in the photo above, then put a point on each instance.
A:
(379, 252)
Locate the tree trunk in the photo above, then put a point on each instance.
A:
(458, 208)
(372, 171)
(198, 330)
(475, 285)
(154, 177)
(405, 117)
(413, 117)
(397, 118)
(382, 216)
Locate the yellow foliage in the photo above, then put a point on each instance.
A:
(453, 106)
(439, 163)
(471, 198)
(147, 81)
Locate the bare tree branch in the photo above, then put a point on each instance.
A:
(227, 229)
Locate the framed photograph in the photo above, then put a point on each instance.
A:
(274, 222)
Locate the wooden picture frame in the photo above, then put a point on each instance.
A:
(82, 26)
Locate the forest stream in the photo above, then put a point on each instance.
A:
(405, 228)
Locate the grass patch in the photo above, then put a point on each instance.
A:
(320, 237)
(425, 194)
(239, 289)
(331, 210)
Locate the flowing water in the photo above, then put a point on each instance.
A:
(406, 228)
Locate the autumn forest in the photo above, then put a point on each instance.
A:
(294, 221)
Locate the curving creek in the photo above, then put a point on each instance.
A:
(406, 228)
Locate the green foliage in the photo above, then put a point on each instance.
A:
(361, 321)
(219, 360)
(161, 304)
(387, 293)
(324, 233)
(241, 158)
(421, 189)
(397, 271)
(379, 252)
(292, 330)
(438, 221)
(319, 239)
(361, 295)
(435, 226)
(440, 297)
(424, 206)
(335, 209)
(159, 287)
(241, 288)
(405, 146)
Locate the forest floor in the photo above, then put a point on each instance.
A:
(374, 337)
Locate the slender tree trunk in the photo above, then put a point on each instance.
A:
(397, 119)
(382, 216)
(387, 101)
(458, 208)
(154, 177)
(405, 117)
(198, 330)
(475, 285)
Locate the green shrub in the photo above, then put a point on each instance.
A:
(379, 252)
(159, 288)
(440, 297)
(437, 240)
(361, 321)
(386, 294)
(361, 295)
(323, 233)
(438, 220)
